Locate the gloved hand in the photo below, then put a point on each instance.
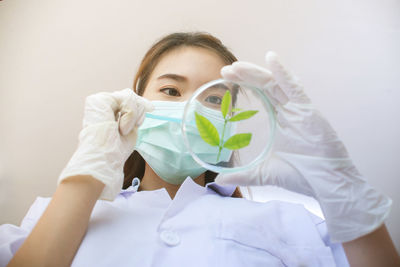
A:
(108, 138)
(308, 157)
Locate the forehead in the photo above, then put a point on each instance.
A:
(189, 62)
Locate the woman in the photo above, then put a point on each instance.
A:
(197, 222)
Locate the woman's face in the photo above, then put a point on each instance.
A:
(181, 71)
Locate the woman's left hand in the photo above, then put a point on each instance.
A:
(308, 157)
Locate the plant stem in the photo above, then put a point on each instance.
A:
(221, 140)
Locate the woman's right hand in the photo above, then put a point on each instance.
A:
(108, 138)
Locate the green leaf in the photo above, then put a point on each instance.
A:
(238, 141)
(226, 102)
(207, 130)
(243, 115)
(236, 109)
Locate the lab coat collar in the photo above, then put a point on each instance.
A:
(190, 185)
(188, 192)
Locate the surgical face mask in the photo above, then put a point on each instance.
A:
(160, 141)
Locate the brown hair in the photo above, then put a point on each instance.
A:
(135, 164)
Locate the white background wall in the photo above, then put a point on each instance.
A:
(55, 53)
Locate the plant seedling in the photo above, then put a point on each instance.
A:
(210, 134)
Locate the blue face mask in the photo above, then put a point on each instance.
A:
(160, 141)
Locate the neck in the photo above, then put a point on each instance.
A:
(151, 181)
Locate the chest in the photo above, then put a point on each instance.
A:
(210, 231)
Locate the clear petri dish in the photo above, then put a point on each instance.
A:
(228, 126)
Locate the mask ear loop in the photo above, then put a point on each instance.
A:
(165, 118)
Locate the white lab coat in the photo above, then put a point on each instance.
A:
(201, 226)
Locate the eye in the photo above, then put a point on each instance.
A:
(213, 99)
(170, 91)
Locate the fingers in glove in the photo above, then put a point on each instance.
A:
(228, 74)
(124, 106)
(286, 81)
(133, 111)
(248, 73)
(129, 117)
(99, 108)
(256, 76)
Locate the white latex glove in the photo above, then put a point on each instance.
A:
(108, 138)
(308, 157)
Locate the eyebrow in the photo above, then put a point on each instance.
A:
(220, 86)
(172, 76)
